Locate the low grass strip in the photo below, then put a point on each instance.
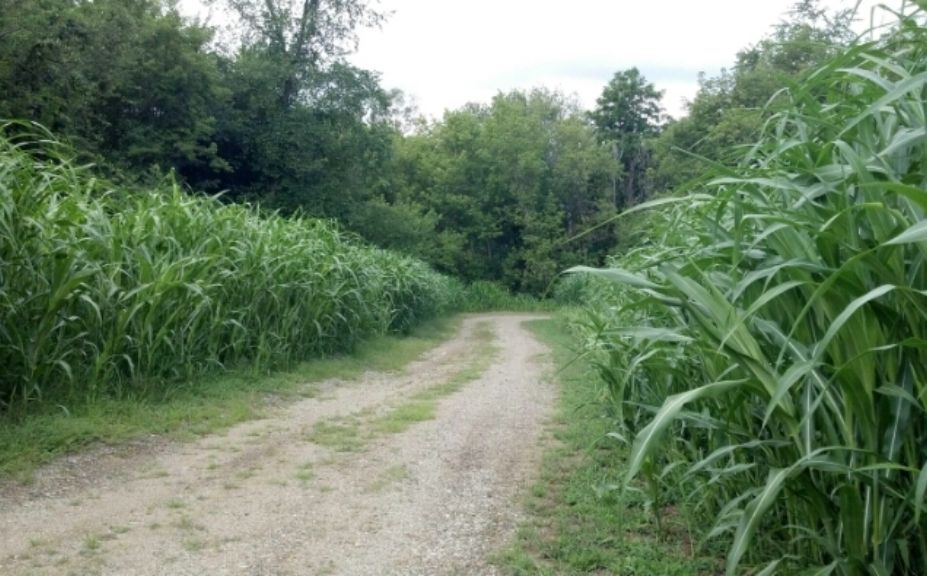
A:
(353, 433)
(577, 521)
(209, 405)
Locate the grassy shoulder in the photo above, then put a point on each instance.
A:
(205, 406)
(578, 521)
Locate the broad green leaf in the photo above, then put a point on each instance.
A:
(919, 492)
(897, 92)
(647, 440)
(752, 516)
(784, 385)
(847, 312)
(770, 568)
(916, 233)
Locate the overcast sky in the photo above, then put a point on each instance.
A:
(446, 53)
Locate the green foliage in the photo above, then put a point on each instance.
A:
(277, 116)
(300, 38)
(129, 81)
(302, 130)
(512, 191)
(510, 184)
(105, 293)
(575, 524)
(764, 347)
(485, 296)
(731, 109)
(626, 114)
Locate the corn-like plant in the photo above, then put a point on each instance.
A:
(766, 349)
(104, 292)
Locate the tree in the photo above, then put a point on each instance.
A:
(303, 129)
(301, 37)
(128, 81)
(626, 114)
(510, 183)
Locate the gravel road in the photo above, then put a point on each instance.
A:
(266, 498)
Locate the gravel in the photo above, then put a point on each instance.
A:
(439, 498)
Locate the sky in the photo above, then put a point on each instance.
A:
(446, 53)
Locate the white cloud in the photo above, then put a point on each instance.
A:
(449, 53)
(446, 54)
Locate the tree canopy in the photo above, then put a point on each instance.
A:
(626, 114)
(513, 190)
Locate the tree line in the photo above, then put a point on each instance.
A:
(513, 190)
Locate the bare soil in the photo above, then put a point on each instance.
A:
(264, 499)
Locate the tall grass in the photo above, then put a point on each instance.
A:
(486, 296)
(765, 351)
(106, 292)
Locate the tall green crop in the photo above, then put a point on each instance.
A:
(103, 292)
(766, 349)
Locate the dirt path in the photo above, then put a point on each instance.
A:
(270, 498)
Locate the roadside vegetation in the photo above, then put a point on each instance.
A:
(272, 112)
(129, 311)
(204, 405)
(762, 344)
(110, 294)
(577, 520)
(138, 311)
